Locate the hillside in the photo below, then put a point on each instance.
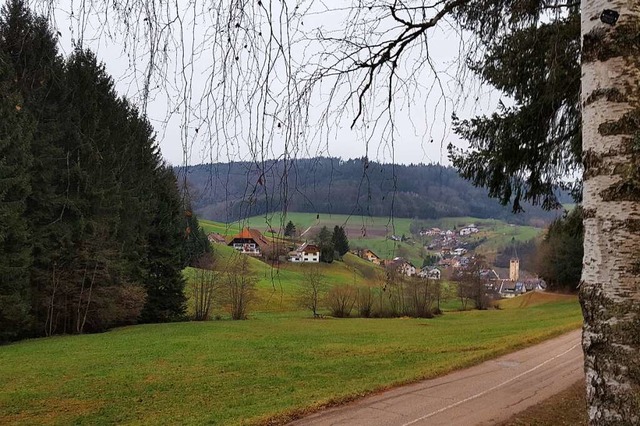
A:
(375, 233)
(231, 191)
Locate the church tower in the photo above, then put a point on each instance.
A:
(514, 269)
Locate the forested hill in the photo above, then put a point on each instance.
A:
(231, 191)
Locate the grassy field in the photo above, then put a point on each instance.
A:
(278, 286)
(274, 366)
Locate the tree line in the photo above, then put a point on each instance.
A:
(232, 191)
(93, 230)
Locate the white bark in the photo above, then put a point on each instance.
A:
(610, 290)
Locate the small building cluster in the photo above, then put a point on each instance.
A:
(399, 265)
(251, 242)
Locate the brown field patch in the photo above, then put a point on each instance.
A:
(366, 232)
(568, 408)
(53, 411)
(535, 298)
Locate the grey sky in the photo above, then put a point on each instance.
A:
(221, 88)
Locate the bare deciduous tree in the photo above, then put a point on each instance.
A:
(239, 287)
(311, 289)
(471, 284)
(365, 301)
(341, 300)
(204, 285)
(421, 295)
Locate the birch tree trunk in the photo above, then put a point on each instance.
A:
(610, 288)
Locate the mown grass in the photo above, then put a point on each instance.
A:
(272, 366)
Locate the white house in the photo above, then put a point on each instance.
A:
(459, 251)
(402, 266)
(430, 273)
(306, 253)
(468, 231)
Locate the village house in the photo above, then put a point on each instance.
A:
(306, 253)
(534, 284)
(510, 288)
(460, 262)
(369, 255)
(430, 232)
(468, 231)
(430, 273)
(250, 241)
(401, 266)
(459, 251)
(445, 263)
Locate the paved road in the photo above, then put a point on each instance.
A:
(480, 395)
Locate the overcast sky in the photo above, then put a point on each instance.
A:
(201, 116)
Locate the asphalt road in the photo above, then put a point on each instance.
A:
(482, 395)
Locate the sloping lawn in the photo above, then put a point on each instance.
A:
(272, 366)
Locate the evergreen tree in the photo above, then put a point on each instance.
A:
(521, 152)
(29, 45)
(15, 249)
(340, 240)
(195, 242)
(164, 282)
(290, 230)
(325, 244)
(90, 192)
(559, 260)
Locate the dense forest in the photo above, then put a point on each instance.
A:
(93, 230)
(231, 191)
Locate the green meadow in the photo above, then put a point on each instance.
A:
(268, 369)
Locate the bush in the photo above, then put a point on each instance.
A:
(239, 288)
(204, 285)
(341, 300)
(365, 301)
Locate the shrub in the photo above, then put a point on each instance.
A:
(341, 300)
(365, 301)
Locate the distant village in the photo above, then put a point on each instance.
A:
(451, 249)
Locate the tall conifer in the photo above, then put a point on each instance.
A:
(15, 248)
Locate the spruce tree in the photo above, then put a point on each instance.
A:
(289, 230)
(30, 47)
(195, 242)
(325, 244)
(340, 240)
(522, 152)
(164, 282)
(15, 249)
